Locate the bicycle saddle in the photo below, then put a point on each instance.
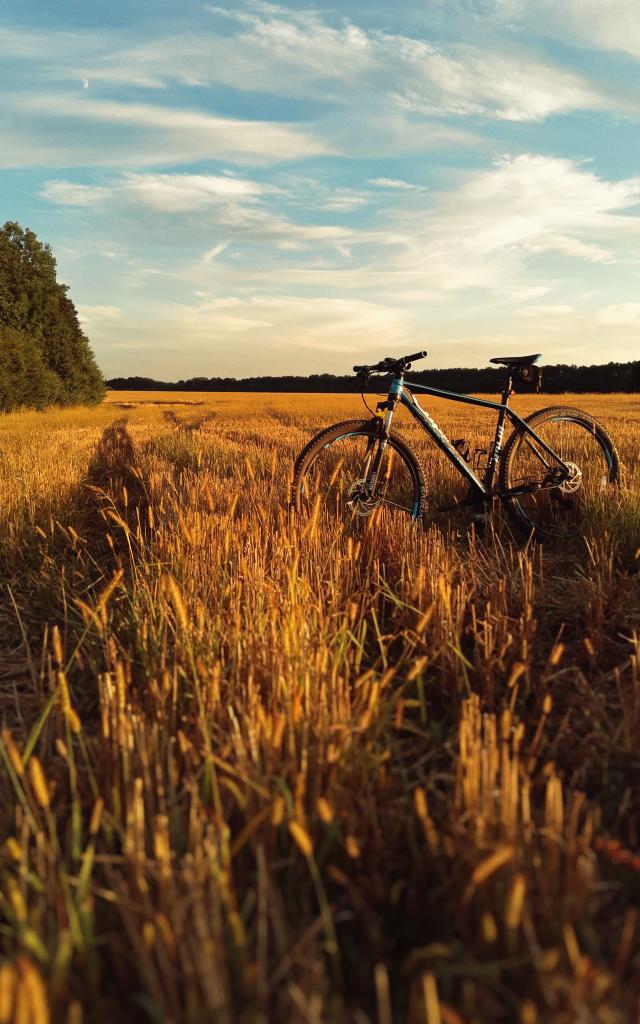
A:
(516, 360)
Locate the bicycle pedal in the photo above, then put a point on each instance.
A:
(480, 522)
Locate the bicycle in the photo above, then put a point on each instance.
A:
(557, 464)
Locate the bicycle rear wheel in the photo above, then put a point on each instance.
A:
(331, 474)
(587, 450)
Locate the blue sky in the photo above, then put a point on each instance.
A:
(256, 188)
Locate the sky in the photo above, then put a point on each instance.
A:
(252, 188)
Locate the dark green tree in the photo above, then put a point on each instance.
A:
(25, 379)
(52, 356)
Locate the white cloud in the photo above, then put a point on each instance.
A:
(258, 224)
(621, 315)
(237, 206)
(299, 48)
(68, 193)
(392, 183)
(170, 193)
(212, 254)
(551, 310)
(90, 314)
(292, 48)
(485, 233)
(491, 234)
(573, 247)
(300, 53)
(524, 293)
(610, 25)
(536, 202)
(323, 323)
(301, 39)
(144, 133)
(525, 238)
(178, 193)
(535, 196)
(477, 82)
(344, 199)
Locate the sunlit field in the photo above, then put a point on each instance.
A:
(263, 769)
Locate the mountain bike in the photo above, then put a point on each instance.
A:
(557, 465)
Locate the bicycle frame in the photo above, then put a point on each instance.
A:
(482, 489)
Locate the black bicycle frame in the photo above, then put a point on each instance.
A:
(398, 392)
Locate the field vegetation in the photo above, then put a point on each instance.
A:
(254, 769)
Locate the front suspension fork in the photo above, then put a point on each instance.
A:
(374, 471)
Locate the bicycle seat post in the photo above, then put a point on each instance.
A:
(508, 387)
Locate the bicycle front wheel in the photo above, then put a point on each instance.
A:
(588, 452)
(332, 473)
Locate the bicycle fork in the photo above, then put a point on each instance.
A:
(395, 391)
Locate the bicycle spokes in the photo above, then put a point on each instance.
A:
(342, 472)
(553, 497)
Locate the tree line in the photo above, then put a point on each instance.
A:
(604, 378)
(45, 358)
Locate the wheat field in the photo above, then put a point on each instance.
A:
(255, 769)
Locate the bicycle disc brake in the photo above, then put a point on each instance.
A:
(359, 501)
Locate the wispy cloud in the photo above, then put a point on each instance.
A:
(177, 193)
(192, 134)
(368, 92)
(392, 183)
(88, 315)
(558, 310)
(322, 323)
(479, 83)
(238, 204)
(480, 234)
(305, 53)
(614, 25)
(168, 193)
(623, 314)
(70, 193)
(273, 182)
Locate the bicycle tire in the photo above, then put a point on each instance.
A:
(356, 428)
(523, 511)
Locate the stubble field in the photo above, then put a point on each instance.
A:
(259, 770)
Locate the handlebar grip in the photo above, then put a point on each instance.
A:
(359, 369)
(416, 355)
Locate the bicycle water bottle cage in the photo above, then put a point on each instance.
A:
(479, 459)
(462, 448)
(529, 376)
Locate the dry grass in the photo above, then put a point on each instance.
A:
(259, 771)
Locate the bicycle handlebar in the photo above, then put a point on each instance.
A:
(390, 365)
